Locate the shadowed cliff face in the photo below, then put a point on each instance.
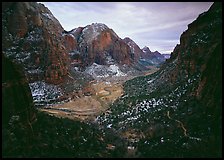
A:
(199, 52)
(17, 101)
(32, 36)
(197, 60)
(47, 136)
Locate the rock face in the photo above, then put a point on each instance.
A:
(200, 51)
(32, 36)
(199, 45)
(135, 50)
(196, 61)
(155, 58)
(98, 43)
(17, 104)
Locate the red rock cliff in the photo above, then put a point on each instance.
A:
(96, 42)
(32, 36)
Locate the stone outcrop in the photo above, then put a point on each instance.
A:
(32, 36)
(70, 42)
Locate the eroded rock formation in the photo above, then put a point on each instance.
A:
(32, 36)
(100, 44)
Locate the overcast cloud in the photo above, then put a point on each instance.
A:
(157, 25)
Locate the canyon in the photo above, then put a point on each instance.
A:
(89, 93)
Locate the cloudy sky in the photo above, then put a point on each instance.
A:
(157, 25)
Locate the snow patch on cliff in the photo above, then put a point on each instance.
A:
(99, 71)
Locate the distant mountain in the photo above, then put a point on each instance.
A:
(144, 56)
(155, 58)
(96, 43)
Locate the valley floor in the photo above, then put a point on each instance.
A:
(99, 95)
(87, 107)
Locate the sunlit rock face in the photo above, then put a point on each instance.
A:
(98, 43)
(32, 36)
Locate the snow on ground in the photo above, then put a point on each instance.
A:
(100, 71)
(109, 59)
(132, 45)
(35, 71)
(34, 36)
(150, 81)
(44, 93)
(49, 16)
(97, 70)
(115, 69)
(70, 34)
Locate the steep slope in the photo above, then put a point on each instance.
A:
(176, 112)
(18, 101)
(32, 37)
(18, 112)
(135, 50)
